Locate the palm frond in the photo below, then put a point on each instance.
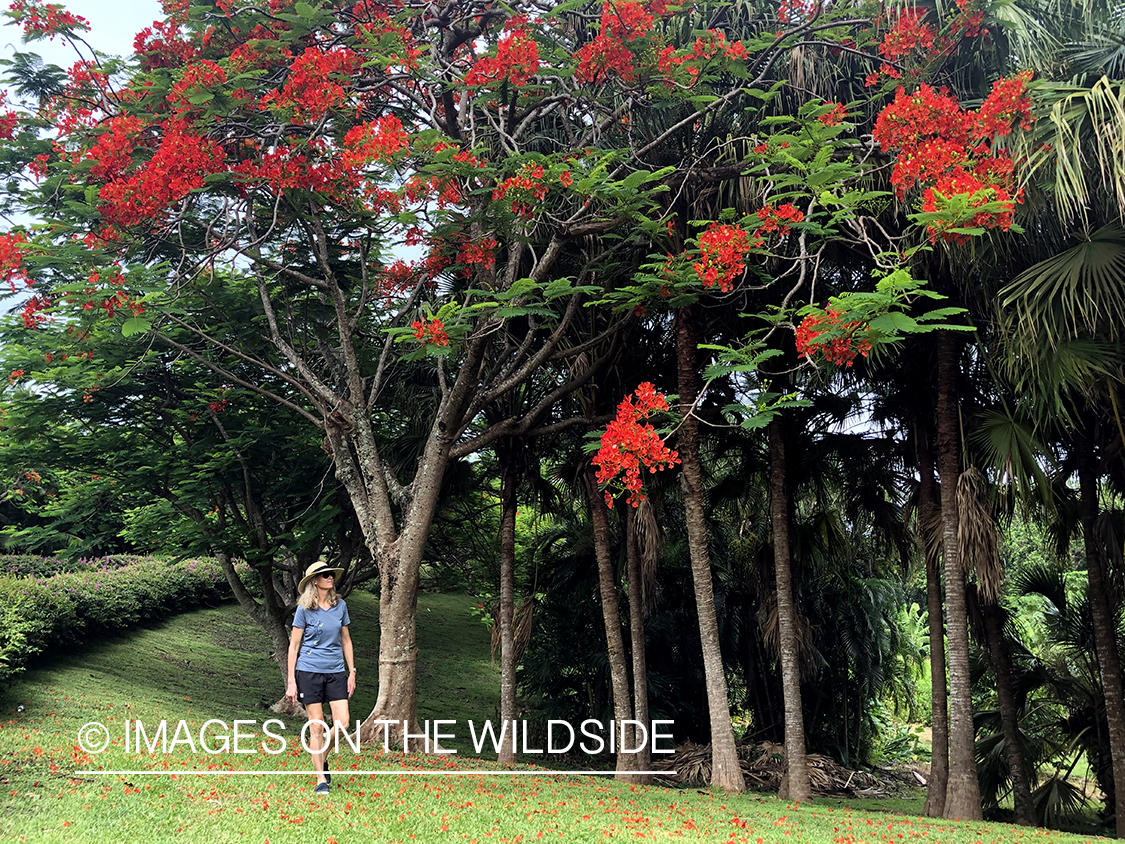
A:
(1078, 291)
(1010, 448)
(1080, 146)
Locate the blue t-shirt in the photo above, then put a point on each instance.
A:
(320, 644)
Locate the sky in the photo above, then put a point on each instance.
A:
(113, 24)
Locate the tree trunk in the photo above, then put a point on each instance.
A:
(725, 770)
(507, 599)
(637, 635)
(607, 586)
(962, 797)
(929, 511)
(1105, 640)
(398, 657)
(1001, 659)
(796, 778)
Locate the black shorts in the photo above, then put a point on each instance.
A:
(316, 687)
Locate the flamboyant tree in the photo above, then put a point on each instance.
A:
(435, 191)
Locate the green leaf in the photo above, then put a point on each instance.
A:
(135, 325)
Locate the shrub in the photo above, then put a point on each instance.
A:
(28, 565)
(97, 598)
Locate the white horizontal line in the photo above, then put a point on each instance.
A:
(379, 773)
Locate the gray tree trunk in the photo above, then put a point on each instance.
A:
(607, 586)
(1105, 639)
(929, 509)
(637, 636)
(962, 797)
(507, 754)
(1001, 659)
(796, 783)
(725, 770)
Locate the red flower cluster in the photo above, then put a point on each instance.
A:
(721, 251)
(430, 331)
(311, 89)
(945, 149)
(909, 34)
(846, 339)
(201, 77)
(516, 61)
(12, 249)
(602, 57)
(627, 20)
(480, 253)
(705, 47)
(9, 120)
(115, 302)
(970, 20)
(47, 18)
(630, 443)
(112, 152)
(164, 44)
(835, 117)
(796, 11)
(33, 311)
(177, 167)
(622, 21)
(379, 139)
(778, 219)
(527, 185)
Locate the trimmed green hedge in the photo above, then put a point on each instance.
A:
(43, 612)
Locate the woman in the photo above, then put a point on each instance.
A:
(319, 646)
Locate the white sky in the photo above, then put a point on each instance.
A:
(113, 23)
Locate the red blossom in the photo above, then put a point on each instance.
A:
(836, 116)
(910, 34)
(430, 331)
(51, 19)
(630, 443)
(945, 150)
(846, 339)
(602, 57)
(479, 253)
(722, 249)
(112, 152)
(778, 219)
(178, 167)
(379, 139)
(796, 11)
(516, 61)
(314, 85)
(13, 246)
(521, 189)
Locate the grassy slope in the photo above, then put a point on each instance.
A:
(210, 664)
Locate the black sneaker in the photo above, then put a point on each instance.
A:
(322, 788)
(327, 776)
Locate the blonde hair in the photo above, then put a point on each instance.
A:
(310, 599)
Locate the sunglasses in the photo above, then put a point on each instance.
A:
(329, 576)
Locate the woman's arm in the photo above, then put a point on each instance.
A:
(349, 657)
(291, 664)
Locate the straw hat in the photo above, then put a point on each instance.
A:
(315, 569)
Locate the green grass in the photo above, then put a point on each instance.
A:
(212, 664)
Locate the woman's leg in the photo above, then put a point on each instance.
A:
(340, 717)
(317, 738)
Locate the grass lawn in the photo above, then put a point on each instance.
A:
(212, 664)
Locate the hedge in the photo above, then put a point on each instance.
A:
(28, 565)
(40, 613)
